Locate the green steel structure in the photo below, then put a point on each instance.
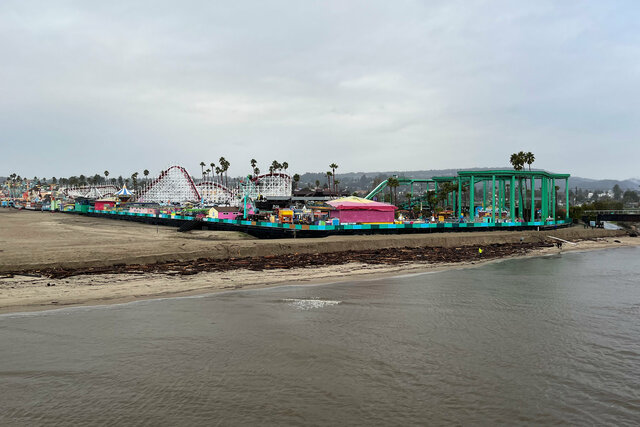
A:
(510, 190)
(401, 181)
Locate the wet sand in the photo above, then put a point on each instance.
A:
(32, 241)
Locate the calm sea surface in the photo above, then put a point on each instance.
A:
(553, 340)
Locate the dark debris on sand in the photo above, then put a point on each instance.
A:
(389, 256)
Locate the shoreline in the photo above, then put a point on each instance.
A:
(23, 294)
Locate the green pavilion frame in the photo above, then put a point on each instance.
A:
(511, 190)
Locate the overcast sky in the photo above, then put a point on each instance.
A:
(374, 85)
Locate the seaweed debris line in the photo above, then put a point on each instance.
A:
(386, 256)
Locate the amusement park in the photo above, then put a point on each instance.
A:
(270, 205)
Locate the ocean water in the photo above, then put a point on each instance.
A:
(551, 340)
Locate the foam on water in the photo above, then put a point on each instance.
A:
(308, 304)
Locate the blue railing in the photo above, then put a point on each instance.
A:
(327, 227)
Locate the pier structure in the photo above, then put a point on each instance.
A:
(471, 201)
(618, 215)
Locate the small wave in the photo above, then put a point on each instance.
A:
(308, 304)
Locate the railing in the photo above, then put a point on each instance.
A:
(328, 227)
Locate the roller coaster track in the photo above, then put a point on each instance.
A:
(214, 192)
(173, 184)
(212, 184)
(95, 191)
(401, 181)
(274, 185)
(424, 199)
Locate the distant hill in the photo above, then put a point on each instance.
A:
(603, 184)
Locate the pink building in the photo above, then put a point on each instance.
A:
(224, 212)
(361, 211)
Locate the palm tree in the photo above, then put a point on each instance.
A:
(146, 174)
(528, 158)
(285, 166)
(202, 165)
(274, 166)
(225, 168)
(518, 160)
(213, 166)
(444, 190)
(134, 179)
(333, 167)
(296, 180)
(393, 183)
(329, 179)
(432, 199)
(106, 176)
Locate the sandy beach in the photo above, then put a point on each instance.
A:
(31, 241)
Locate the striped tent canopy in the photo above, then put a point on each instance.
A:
(124, 192)
(358, 203)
